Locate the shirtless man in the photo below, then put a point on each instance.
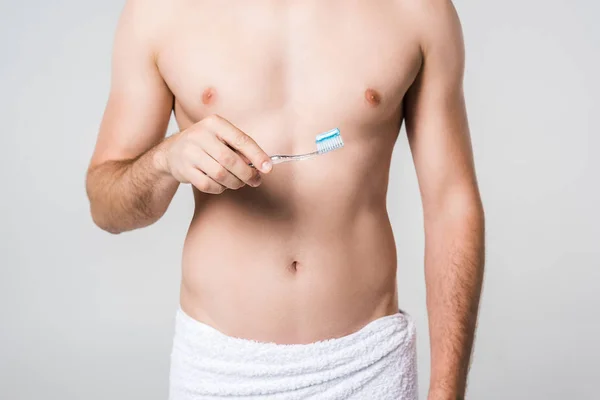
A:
(299, 252)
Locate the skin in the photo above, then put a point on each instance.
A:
(303, 251)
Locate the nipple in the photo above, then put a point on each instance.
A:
(372, 97)
(208, 96)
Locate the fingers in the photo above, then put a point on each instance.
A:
(213, 155)
(248, 162)
(218, 172)
(203, 182)
(239, 141)
(231, 161)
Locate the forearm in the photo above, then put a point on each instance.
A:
(130, 194)
(454, 264)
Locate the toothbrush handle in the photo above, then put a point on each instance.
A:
(279, 158)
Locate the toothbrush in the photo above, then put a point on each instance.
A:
(326, 142)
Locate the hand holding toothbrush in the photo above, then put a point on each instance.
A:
(210, 155)
(214, 155)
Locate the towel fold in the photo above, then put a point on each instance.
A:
(377, 362)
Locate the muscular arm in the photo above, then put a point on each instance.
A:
(125, 187)
(437, 127)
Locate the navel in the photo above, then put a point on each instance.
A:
(209, 95)
(293, 267)
(372, 97)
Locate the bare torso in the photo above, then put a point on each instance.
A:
(310, 253)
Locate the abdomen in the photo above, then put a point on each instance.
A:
(309, 254)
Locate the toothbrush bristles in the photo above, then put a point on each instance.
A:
(329, 141)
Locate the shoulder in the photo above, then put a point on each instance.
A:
(443, 30)
(435, 23)
(439, 32)
(440, 11)
(144, 12)
(143, 23)
(146, 18)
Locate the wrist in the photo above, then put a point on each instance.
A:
(441, 393)
(443, 396)
(160, 161)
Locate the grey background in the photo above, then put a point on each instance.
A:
(87, 315)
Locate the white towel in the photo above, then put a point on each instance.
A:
(377, 362)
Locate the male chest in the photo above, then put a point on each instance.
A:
(350, 60)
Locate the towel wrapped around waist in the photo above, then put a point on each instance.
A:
(377, 362)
